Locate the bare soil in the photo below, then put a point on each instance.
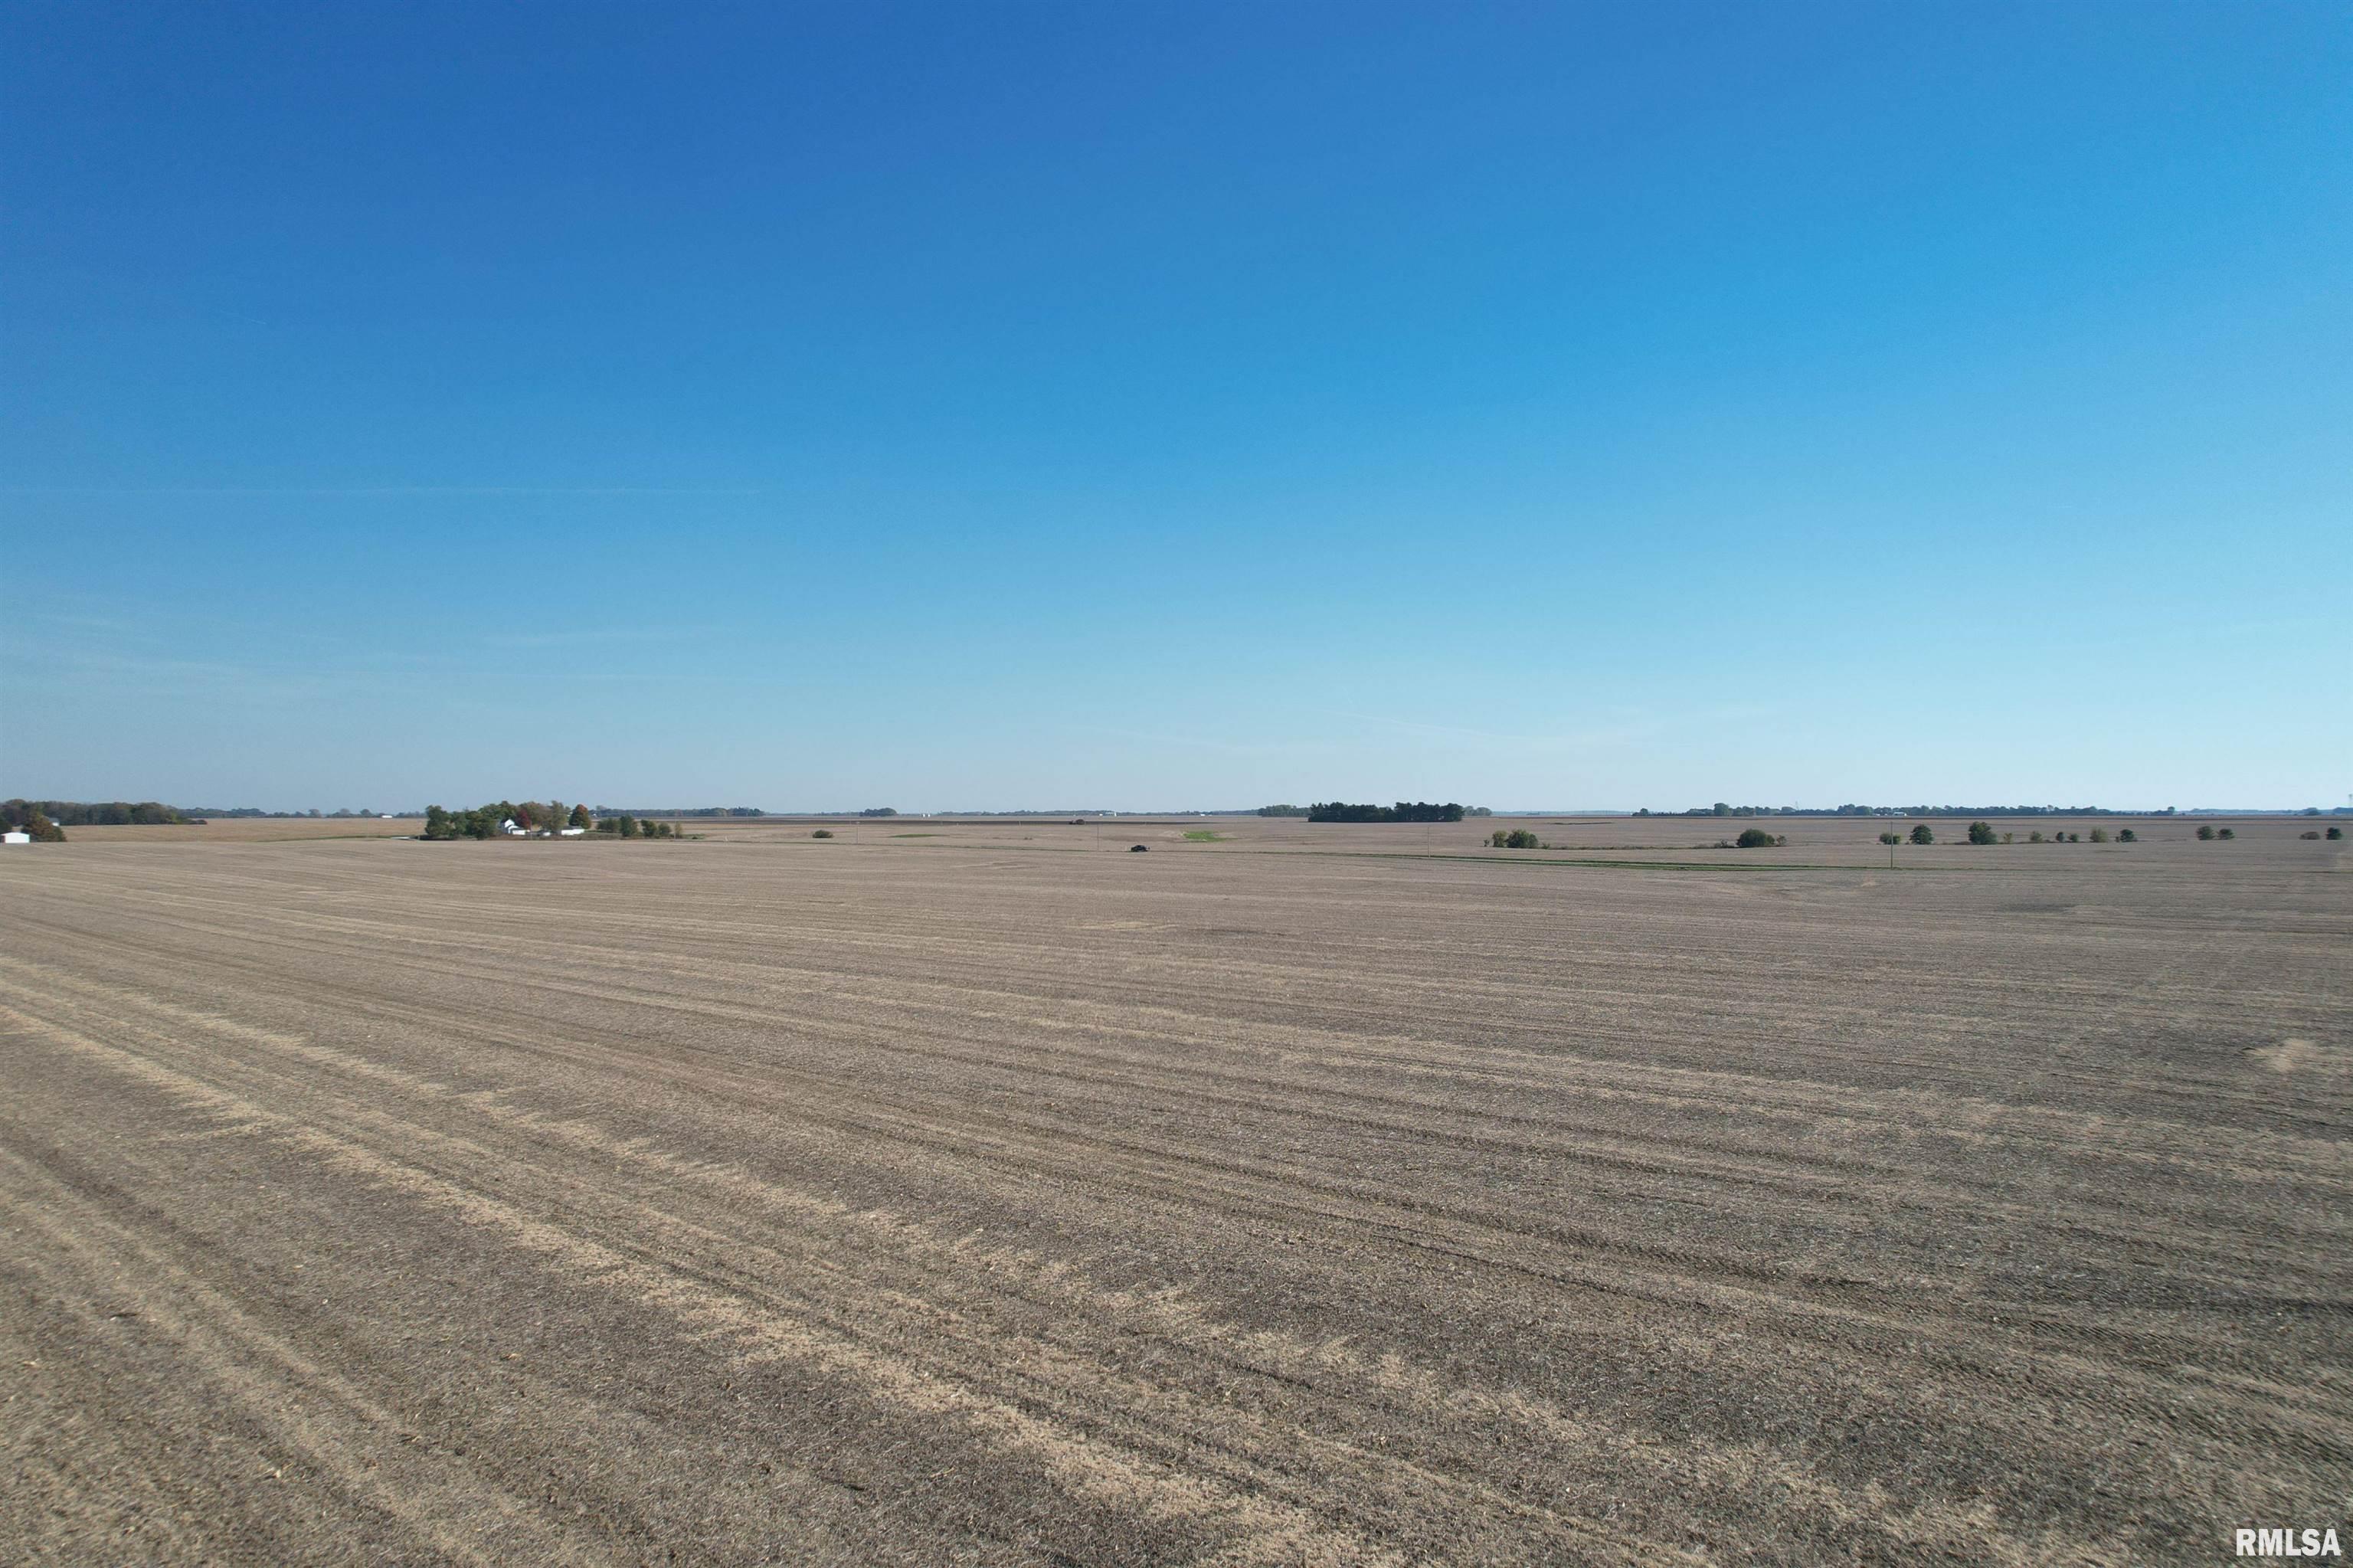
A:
(1327, 1196)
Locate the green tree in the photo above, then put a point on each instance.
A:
(1923, 835)
(579, 818)
(2205, 830)
(2126, 835)
(1894, 838)
(1754, 838)
(2099, 836)
(2227, 833)
(1980, 833)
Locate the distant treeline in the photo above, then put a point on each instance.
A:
(192, 813)
(1721, 810)
(87, 813)
(628, 827)
(685, 811)
(1403, 811)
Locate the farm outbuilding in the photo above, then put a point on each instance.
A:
(15, 836)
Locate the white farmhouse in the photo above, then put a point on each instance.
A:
(15, 837)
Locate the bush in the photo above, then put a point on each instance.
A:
(1980, 833)
(1754, 838)
(1139, 849)
(1891, 838)
(2205, 830)
(2125, 836)
(35, 824)
(2035, 837)
(2099, 836)
(2337, 832)
(2309, 834)
(2226, 833)
(822, 833)
(1522, 838)
(1923, 835)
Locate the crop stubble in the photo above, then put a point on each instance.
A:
(778, 1200)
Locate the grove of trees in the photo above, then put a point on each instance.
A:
(35, 823)
(1403, 811)
(482, 821)
(86, 813)
(628, 827)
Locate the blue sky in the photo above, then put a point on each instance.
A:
(1156, 406)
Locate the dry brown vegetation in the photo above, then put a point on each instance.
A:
(1300, 1199)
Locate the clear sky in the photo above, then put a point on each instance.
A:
(990, 405)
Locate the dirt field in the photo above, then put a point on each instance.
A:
(1306, 1197)
(249, 830)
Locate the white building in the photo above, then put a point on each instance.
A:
(13, 837)
(572, 832)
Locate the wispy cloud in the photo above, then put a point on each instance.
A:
(386, 490)
(1198, 743)
(1619, 726)
(593, 636)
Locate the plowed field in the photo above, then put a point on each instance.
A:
(985, 1198)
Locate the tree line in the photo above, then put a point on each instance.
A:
(1403, 811)
(679, 812)
(19, 814)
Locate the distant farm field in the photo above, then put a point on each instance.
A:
(1322, 1196)
(249, 830)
